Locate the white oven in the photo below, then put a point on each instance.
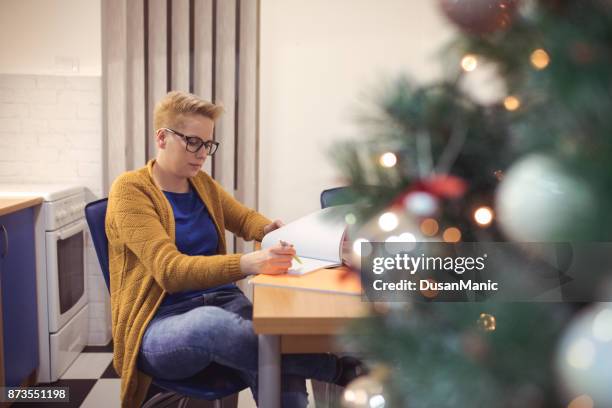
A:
(65, 273)
(61, 276)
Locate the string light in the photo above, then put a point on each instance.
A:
(499, 175)
(407, 239)
(349, 395)
(483, 216)
(388, 159)
(388, 221)
(539, 59)
(389, 244)
(357, 247)
(357, 397)
(421, 204)
(451, 234)
(377, 401)
(582, 401)
(469, 62)
(429, 227)
(512, 103)
(487, 322)
(404, 237)
(430, 293)
(350, 218)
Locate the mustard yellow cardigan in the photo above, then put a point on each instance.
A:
(145, 263)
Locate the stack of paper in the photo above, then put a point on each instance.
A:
(317, 239)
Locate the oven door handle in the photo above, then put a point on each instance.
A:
(67, 232)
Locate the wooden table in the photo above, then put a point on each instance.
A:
(294, 320)
(13, 204)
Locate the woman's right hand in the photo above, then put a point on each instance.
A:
(271, 261)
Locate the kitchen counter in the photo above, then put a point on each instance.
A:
(10, 205)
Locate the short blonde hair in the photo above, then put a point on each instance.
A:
(170, 109)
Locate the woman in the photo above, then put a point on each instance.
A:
(175, 307)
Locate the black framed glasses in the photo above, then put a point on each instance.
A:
(193, 144)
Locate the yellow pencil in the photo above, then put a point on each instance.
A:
(284, 244)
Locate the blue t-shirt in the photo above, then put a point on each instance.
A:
(195, 235)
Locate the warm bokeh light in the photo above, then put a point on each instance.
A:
(451, 234)
(487, 322)
(430, 293)
(469, 63)
(539, 59)
(582, 401)
(483, 216)
(388, 159)
(429, 227)
(512, 103)
(358, 397)
(388, 221)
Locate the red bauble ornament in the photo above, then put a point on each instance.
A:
(442, 186)
(480, 16)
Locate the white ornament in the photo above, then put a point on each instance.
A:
(584, 355)
(539, 200)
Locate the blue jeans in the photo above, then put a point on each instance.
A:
(184, 338)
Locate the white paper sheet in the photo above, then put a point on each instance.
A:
(309, 265)
(316, 237)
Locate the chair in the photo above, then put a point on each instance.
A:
(336, 196)
(327, 394)
(211, 384)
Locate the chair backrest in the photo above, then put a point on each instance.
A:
(335, 196)
(95, 213)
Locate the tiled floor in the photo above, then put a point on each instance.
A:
(93, 383)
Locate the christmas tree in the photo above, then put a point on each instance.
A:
(534, 164)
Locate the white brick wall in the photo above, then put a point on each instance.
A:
(51, 132)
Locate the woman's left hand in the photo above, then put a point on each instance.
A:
(271, 227)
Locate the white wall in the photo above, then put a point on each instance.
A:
(50, 37)
(50, 130)
(318, 58)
